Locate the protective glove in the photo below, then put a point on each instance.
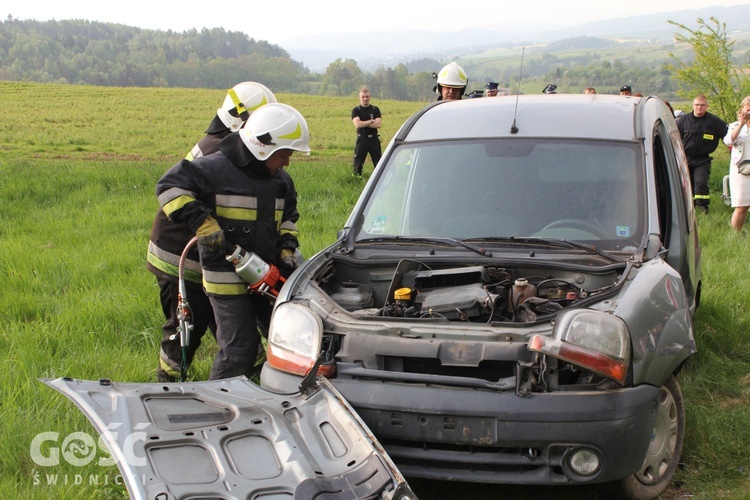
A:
(286, 258)
(210, 234)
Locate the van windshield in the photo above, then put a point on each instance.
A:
(588, 191)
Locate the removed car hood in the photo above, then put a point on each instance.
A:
(232, 439)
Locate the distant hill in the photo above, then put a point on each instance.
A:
(635, 49)
(96, 53)
(317, 51)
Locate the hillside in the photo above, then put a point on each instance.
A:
(317, 51)
(635, 50)
(94, 53)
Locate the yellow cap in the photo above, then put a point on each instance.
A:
(402, 294)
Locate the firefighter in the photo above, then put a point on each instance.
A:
(701, 132)
(451, 82)
(168, 240)
(239, 103)
(242, 196)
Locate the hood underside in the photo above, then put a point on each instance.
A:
(231, 439)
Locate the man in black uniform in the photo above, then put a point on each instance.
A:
(701, 132)
(168, 240)
(367, 121)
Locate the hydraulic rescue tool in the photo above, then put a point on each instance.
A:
(184, 314)
(263, 278)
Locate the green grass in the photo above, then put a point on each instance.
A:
(78, 166)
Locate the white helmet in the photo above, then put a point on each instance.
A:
(452, 75)
(275, 126)
(240, 101)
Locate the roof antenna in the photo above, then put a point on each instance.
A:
(513, 128)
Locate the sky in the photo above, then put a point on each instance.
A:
(277, 22)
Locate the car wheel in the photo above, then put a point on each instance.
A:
(665, 449)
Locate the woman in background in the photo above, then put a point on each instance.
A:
(739, 184)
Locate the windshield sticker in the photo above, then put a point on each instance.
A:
(377, 224)
(623, 231)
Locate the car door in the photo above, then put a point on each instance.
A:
(679, 232)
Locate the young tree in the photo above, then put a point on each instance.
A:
(711, 72)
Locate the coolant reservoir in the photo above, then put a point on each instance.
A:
(521, 291)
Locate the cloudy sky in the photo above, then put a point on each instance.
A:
(277, 22)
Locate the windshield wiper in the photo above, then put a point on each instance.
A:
(429, 240)
(549, 242)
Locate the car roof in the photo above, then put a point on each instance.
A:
(586, 116)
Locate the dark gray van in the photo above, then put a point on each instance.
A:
(512, 297)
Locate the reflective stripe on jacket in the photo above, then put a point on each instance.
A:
(168, 240)
(256, 210)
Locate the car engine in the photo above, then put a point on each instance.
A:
(474, 293)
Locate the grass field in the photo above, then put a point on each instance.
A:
(78, 166)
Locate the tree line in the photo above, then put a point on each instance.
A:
(95, 53)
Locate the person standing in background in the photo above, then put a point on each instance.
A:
(367, 120)
(451, 82)
(739, 185)
(701, 132)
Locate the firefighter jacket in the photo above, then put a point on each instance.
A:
(168, 240)
(210, 143)
(700, 136)
(256, 210)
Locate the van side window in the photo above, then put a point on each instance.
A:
(663, 191)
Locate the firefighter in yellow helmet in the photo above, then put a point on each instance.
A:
(451, 82)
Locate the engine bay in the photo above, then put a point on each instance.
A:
(473, 293)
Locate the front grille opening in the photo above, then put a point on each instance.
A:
(490, 370)
(464, 457)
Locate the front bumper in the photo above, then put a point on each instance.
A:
(487, 436)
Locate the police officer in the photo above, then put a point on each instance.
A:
(701, 132)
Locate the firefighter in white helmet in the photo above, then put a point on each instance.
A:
(451, 82)
(242, 196)
(239, 103)
(168, 240)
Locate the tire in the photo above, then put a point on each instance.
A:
(665, 449)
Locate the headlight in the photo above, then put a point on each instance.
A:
(593, 340)
(294, 338)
